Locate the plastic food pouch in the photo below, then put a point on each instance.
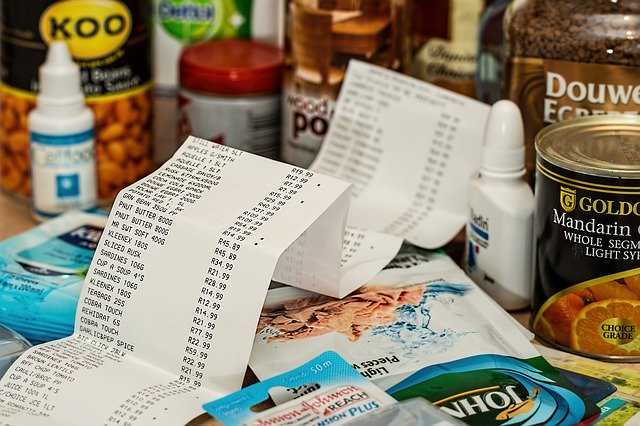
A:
(422, 320)
(41, 275)
(325, 390)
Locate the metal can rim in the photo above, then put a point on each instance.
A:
(565, 154)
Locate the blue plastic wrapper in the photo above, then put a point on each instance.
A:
(41, 275)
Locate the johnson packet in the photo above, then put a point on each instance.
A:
(41, 274)
(325, 390)
(421, 327)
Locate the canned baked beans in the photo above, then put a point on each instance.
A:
(110, 41)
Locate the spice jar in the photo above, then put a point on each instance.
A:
(230, 94)
(571, 58)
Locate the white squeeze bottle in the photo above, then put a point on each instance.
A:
(499, 246)
(61, 133)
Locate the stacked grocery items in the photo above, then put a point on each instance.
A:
(562, 62)
(180, 24)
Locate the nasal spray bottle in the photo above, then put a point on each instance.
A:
(61, 132)
(498, 253)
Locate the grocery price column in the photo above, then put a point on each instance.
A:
(168, 312)
(154, 218)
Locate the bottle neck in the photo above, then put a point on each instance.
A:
(60, 109)
(504, 176)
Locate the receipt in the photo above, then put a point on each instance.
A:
(409, 148)
(171, 300)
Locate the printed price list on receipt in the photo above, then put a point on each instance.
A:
(168, 311)
(200, 239)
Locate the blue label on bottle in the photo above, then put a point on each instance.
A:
(71, 139)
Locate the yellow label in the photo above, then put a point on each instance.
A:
(567, 198)
(92, 28)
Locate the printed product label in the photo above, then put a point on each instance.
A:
(91, 29)
(479, 229)
(548, 91)
(110, 42)
(325, 390)
(448, 64)
(587, 277)
(193, 20)
(446, 52)
(106, 39)
(477, 241)
(251, 124)
(63, 172)
(597, 317)
(42, 273)
(521, 392)
(305, 121)
(70, 252)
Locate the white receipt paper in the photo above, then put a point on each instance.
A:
(168, 312)
(409, 148)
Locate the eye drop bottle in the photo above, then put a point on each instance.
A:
(499, 245)
(61, 135)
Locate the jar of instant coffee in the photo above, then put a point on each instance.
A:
(571, 58)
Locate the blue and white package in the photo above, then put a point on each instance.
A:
(41, 274)
(325, 390)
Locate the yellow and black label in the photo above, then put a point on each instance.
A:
(92, 29)
(599, 317)
(109, 39)
(587, 272)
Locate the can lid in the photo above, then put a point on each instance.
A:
(606, 146)
(231, 67)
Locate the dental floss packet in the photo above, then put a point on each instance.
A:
(325, 390)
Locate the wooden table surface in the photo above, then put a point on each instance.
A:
(15, 216)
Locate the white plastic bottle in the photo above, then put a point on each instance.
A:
(499, 246)
(61, 132)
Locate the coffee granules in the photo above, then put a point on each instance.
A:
(569, 59)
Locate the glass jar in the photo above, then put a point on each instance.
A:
(322, 36)
(230, 94)
(569, 59)
(441, 42)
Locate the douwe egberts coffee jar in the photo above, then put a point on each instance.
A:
(569, 59)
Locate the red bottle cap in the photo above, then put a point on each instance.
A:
(231, 67)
